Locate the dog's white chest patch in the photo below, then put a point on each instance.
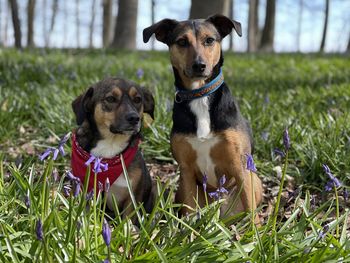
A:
(200, 108)
(204, 161)
(110, 147)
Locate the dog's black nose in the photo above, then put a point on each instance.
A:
(198, 67)
(133, 118)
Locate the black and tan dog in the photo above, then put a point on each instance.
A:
(209, 135)
(109, 116)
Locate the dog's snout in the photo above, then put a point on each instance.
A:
(133, 118)
(198, 67)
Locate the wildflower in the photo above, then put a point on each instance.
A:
(39, 230)
(100, 186)
(106, 261)
(221, 190)
(89, 195)
(139, 73)
(107, 185)
(250, 163)
(345, 194)
(27, 201)
(44, 155)
(57, 150)
(279, 152)
(333, 182)
(66, 190)
(286, 140)
(205, 180)
(324, 231)
(77, 187)
(106, 233)
(98, 165)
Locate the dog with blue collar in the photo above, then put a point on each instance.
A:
(210, 139)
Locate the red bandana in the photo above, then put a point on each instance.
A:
(80, 157)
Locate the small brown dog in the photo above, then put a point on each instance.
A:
(209, 135)
(109, 116)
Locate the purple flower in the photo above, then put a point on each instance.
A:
(333, 181)
(64, 139)
(324, 231)
(286, 139)
(27, 201)
(39, 230)
(77, 187)
(221, 190)
(45, 154)
(106, 261)
(98, 165)
(250, 163)
(107, 185)
(106, 233)
(139, 73)
(89, 195)
(91, 159)
(205, 180)
(66, 190)
(345, 194)
(279, 152)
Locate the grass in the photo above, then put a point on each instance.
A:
(309, 94)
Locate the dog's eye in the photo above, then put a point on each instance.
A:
(111, 99)
(209, 41)
(182, 42)
(137, 100)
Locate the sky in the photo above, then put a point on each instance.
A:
(287, 14)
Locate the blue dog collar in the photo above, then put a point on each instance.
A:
(207, 89)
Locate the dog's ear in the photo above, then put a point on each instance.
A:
(148, 102)
(82, 105)
(162, 29)
(224, 25)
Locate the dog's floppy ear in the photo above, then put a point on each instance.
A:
(224, 25)
(82, 105)
(148, 102)
(162, 29)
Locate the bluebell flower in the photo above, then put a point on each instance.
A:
(221, 190)
(139, 73)
(27, 201)
(345, 194)
(286, 139)
(39, 230)
(250, 163)
(333, 181)
(66, 190)
(89, 195)
(55, 151)
(324, 231)
(45, 154)
(279, 152)
(106, 233)
(77, 186)
(98, 165)
(205, 180)
(106, 261)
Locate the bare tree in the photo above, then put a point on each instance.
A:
(107, 22)
(205, 8)
(230, 45)
(300, 17)
(325, 25)
(30, 23)
(253, 26)
(267, 37)
(92, 21)
(53, 19)
(77, 22)
(153, 4)
(16, 23)
(125, 30)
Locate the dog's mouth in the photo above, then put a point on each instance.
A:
(196, 76)
(130, 130)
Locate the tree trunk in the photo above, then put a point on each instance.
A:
(107, 21)
(16, 23)
(92, 22)
(30, 33)
(125, 30)
(253, 26)
(230, 45)
(53, 19)
(300, 17)
(153, 4)
(77, 22)
(205, 8)
(348, 47)
(324, 34)
(267, 38)
(44, 11)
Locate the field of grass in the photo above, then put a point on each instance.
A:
(308, 94)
